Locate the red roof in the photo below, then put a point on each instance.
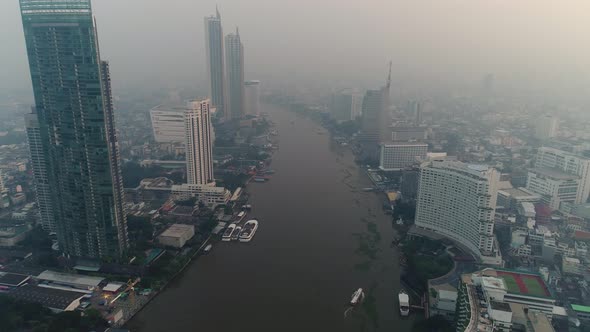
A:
(542, 210)
(581, 235)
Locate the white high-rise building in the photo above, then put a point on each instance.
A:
(546, 127)
(458, 200)
(252, 97)
(396, 156)
(199, 149)
(168, 124)
(566, 162)
(39, 166)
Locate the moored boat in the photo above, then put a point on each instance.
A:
(228, 232)
(248, 230)
(404, 303)
(208, 248)
(236, 233)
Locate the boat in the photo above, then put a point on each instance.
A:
(259, 179)
(236, 233)
(228, 231)
(249, 230)
(241, 216)
(404, 303)
(357, 297)
(208, 248)
(247, 207)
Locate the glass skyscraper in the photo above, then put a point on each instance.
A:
(234, 53)
(72, 94)
(215, 65)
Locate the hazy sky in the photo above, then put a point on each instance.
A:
(339, 41)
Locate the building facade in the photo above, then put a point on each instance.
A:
(76, 131)
(397, 156)
(571, 163)
(458, 201)
(168, 124)
(40, 176)
(555, 187)
(234, 52)
(199, 147)
(215, 62)
(252, 97)
(207, 194)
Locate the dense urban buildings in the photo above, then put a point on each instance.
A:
(75, 121)
(402, 133)
(40, 176)
(199, 149)
(458, 201)
(4, 199)
(396, 156)
(234, 52)
(252, 97)
(168, 124)
(570, 163)
(215, 59)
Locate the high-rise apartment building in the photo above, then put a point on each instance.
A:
(252, 97)
(199, 149)
(376, 119)
(168, 124)
(40, 176)
(234, 53)
(215, 62)
(458, 201)
(4, 199)
(546, 127)
(74, 109)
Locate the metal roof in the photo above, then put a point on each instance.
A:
(70, 279)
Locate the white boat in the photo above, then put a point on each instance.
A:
(228, 231)
(208, 248)
(357, 297)
(241, 216)
(404, 303)
(249, 230)
(236, 233)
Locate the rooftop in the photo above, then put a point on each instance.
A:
(554, 173)
(581, 308)
(500, 306)
(524, 283)
(12, 279)
(48, 297)
(177, 230)
(73, 279)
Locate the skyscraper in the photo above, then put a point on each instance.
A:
(252, 97)
(459, 201)
(72, 94)
(39, 166)
(215, 65)
(234, 52)
(375, 119)
(199, 150)
(546, 127)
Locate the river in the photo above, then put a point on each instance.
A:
(320, 238)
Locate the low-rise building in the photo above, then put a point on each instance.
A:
(78, 281)
(177, 235)
(442, 301)
(572, 265)
(208, 194)
(57, 300)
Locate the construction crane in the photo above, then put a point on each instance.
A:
(128, 290)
